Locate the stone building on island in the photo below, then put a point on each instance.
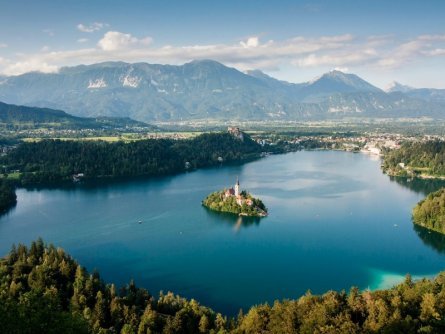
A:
(236, 192)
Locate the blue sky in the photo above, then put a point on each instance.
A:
(291, 40)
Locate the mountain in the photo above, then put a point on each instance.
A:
(427, 94)
(272, 82)
(32, 117)
(398, 87)
(336, 82)
(205, 89)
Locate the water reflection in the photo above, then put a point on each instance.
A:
(422, 186)
(8, 211)
(430, 238)
(237, 222)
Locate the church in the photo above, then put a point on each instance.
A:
(235, 191)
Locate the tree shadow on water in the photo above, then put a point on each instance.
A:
(430, 238)
(421, 186)
(7, 211)
(233, 220)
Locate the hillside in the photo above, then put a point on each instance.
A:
(52, 161)
(21, 117)
(206, 89)
(430, 212)
(416, 159)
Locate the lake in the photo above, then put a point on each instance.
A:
(334, 221)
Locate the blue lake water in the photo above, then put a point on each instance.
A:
(334, 221)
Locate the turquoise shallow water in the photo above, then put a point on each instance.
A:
(334, 221)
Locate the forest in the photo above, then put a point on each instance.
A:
(51, 161)
(44, 290)
(416, 158)
(430, 212)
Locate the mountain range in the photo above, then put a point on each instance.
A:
(429, 94)
(206, 89)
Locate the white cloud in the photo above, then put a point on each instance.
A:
(3, 45)
(404, 53)
(334, 59)
(251, 42)
(89, 28)
(30, 66)
(344, 51)
(82, 40)
(115, 40)
(45, 48)
(341, 69)
(432, 37)
(436, 52)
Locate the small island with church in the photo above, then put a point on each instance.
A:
(235, 201)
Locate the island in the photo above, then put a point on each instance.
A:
(430, 212)
(234, 201)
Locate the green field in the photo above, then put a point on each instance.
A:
(127, 137)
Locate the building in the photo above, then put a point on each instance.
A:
(237, 192)
(236, 132)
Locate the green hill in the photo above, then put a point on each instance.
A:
(416, 159)
(430, 212)
(49, 161)
(22, 117)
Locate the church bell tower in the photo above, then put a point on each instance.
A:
(237, 192)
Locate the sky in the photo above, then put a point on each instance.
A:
(296, 41)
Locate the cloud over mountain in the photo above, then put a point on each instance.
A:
(115, 40)
(346, 50)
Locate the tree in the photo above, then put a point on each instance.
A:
(428, 309)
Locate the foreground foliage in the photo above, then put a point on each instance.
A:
(43, 290)
(430, 212)
(417, 158)
(55, 160)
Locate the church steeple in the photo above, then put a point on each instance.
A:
(237, 192)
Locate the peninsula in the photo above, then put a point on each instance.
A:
(430, 212)
(234, 201)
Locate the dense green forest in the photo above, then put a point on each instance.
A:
(430, 212)
(44, 290)
(8, 197)
(218, 202)
(54, 160)
(417, 158)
